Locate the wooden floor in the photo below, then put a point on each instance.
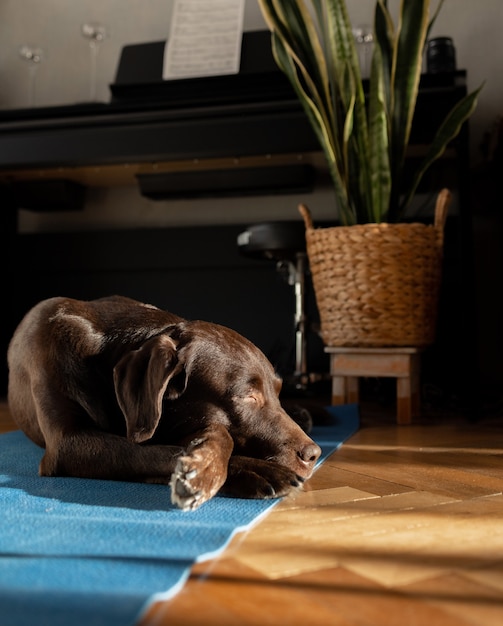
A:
(402, 526)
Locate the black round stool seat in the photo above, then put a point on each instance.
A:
(273, 240)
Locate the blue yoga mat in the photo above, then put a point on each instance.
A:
(98, 553)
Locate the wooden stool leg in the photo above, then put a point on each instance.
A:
(403, 400)
(415, 383)
(352, 391)
(407, 392)
(338, 390)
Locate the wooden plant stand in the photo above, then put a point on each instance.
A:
(347, 365)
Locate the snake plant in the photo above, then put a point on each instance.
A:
(364, 136)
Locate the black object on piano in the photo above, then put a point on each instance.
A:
(139, 77)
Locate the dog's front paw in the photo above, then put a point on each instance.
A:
(185, 490)
(196, 479)
(256, 478)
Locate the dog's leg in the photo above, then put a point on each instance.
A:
(93, 454)
(202, 470)
(75, 446)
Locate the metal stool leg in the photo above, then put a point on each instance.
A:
(297, 278)
(300, 320)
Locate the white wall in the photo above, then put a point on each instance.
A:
(63, 77)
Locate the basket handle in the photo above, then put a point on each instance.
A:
(306, 214)
(444, 199)
(442, 208)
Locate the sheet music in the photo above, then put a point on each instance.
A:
(205, 39)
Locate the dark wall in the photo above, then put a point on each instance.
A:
(194, 272)
(200, 273)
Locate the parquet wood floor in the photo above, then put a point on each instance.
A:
(402, 526)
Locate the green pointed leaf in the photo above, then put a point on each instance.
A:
(406, 73)
(333, 153)
(448, 130)
(379, 141)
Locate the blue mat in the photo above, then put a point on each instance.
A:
(98, 553)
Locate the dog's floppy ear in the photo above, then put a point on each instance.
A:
(142, 378)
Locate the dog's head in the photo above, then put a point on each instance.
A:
(203, 372)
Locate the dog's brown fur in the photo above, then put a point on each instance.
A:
(117, 389)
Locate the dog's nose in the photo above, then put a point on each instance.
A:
(310, 453)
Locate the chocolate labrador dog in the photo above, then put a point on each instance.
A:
(121, 390)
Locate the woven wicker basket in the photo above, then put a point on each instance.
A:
(377, 285)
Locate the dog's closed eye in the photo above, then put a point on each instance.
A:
(255, 398)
